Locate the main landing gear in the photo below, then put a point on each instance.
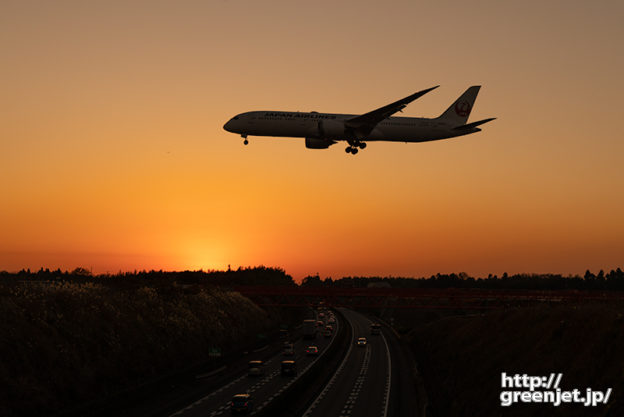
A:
(245, 142)
(354, 145)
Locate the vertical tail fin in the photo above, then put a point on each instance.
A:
(460, 110)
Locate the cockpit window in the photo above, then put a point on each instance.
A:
(235, 117)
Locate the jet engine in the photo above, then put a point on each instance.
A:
(318, 143)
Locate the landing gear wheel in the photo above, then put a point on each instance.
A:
(354, 150)
(245, 142)
(362, 145)
(348, 149)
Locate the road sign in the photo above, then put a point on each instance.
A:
(214, 352)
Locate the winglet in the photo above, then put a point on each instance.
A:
(414, 96)
(423, 92)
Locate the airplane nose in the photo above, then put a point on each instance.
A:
(228, 126)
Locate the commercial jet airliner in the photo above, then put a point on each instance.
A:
(321, 130)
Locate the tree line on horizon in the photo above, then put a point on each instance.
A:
(259, 275)
(275, 276)
(613, 280)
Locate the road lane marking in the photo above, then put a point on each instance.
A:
(359, 382)
(259, 384)
(291, 381)
(338, 371)
(388, 377)
(211, 373)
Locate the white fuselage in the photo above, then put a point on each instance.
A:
(331, 126)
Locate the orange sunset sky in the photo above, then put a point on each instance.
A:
(113, 156)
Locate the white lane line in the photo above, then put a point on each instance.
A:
(388, 377)
(338, 371)
(211, 373)
(261, 382)
(357, 387)
(299, 374)
(261, 349)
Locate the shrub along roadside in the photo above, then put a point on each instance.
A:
(65, 343)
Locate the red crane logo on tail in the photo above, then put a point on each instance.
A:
(462, 108)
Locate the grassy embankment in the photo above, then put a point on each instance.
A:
(462, 357)
(63, 343)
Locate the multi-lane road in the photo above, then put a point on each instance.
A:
(361, 384)
(368, 381)
(264, 388)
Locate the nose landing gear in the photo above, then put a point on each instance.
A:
(245, 142)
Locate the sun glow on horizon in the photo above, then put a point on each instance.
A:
(114, 158)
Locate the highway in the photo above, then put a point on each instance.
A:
(366, 381)
(361, 385)
(263, 389)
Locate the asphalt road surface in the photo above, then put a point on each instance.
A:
(262, 388)
(361, 385)
(374, 380)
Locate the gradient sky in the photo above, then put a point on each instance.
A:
(113, 156)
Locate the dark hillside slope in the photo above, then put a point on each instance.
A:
(462, 357)
(63, 343)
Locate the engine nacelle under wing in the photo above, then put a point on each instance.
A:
(318, 143)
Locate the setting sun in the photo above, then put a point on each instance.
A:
(114, 155)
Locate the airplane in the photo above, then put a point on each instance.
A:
(321, 130)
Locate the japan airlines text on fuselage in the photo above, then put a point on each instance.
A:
(321, 130)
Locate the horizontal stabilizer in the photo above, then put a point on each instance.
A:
(474, 124)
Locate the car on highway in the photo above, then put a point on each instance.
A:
(309, 329)
(289, 349)
(241, 404)
(289, 368)
(320, 323)
(327, 333)
(331, 320)
(361, 341)
(312, 351)
(375, 328)
(256, 368)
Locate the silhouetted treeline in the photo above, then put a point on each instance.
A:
(613, 280)
(259, 275)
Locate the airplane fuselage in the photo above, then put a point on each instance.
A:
(332, 126)
(322, 130)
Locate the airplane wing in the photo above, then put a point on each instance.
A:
(366, 122)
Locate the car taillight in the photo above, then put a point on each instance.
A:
(245, 404)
